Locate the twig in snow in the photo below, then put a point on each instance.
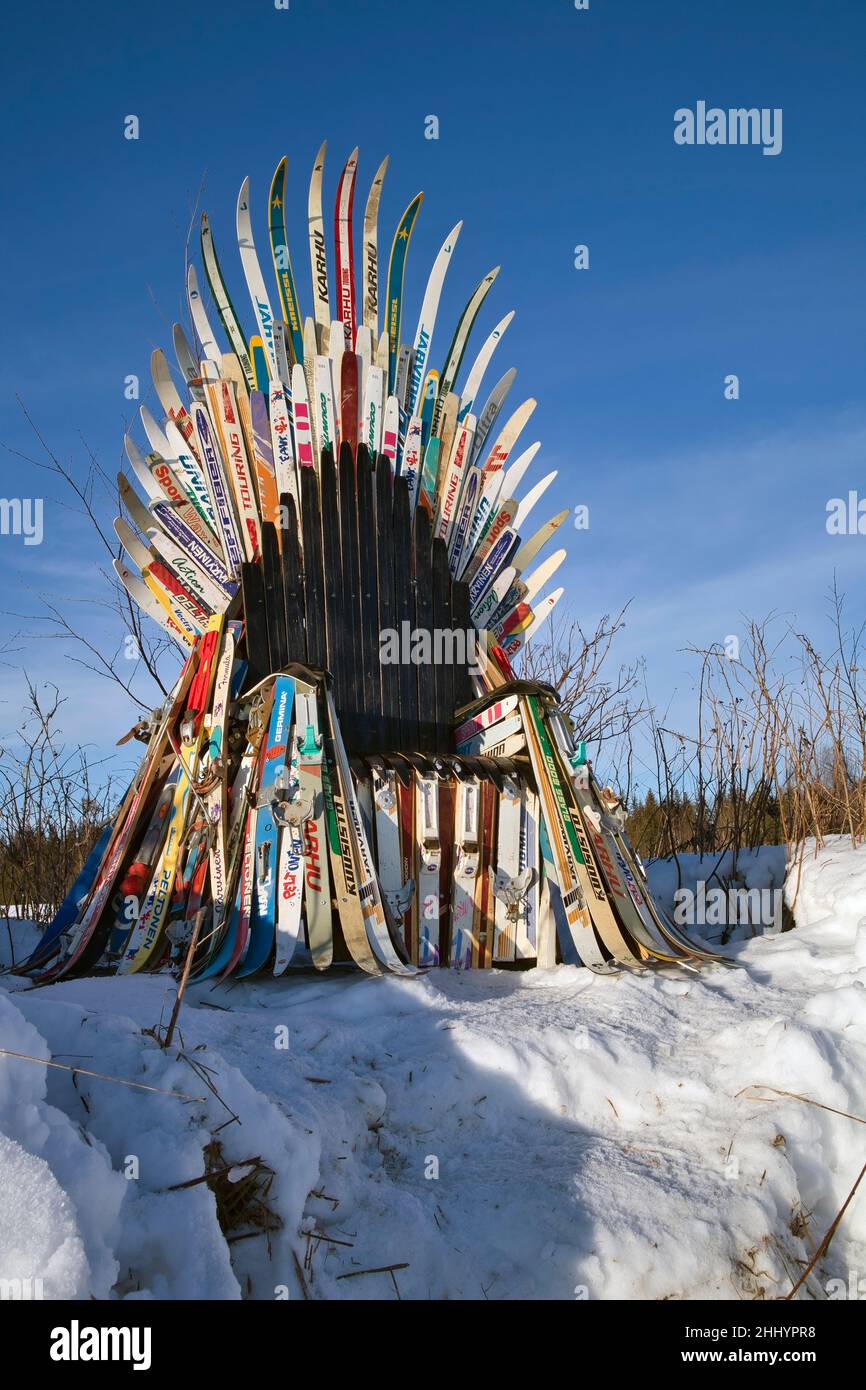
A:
(214, 1173)
(100, 1076)
(301, 1280)
(792, 1095)
(825, 1243)
(382, 1269)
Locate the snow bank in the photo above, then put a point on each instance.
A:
(18, 938)
(548, 1134)
(59, 1199)
(724, 897)
(89, 1215)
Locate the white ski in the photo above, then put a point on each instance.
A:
(512, 644)
(398, 895)
(467, 862)
(204, 332)
(223, 303)
(480, 365)
(370, 258)
(391, 431)
(142, 596)
(509, 882)
(317, 892)
(301, 416)
(427, 317)
(325, 411)
(186, 360)
(253, 275)
(289, 814)
(459, 341)
(345, 252)
(318, 255)
(490, 410)
(169, 398)
(429, 851)
(282, 444)
(374, 407)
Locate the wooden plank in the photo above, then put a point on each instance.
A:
(464, 690)
(384, 502)
(293, 592)
(258, 647)
(447, 808)
(443, 671)
(350, 715)
(422, 573)
(333, 566)
(275, 604)
(314, 583)
(369, 606)
(405, 613)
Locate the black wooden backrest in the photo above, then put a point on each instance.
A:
(356, 584)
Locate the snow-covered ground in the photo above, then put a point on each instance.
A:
(725, 897)
(536, 1135)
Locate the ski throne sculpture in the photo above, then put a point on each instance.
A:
(346, 770)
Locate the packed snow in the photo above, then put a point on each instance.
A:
(499, 1135)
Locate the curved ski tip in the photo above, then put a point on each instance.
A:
(275, 178)
(353, 157)
(243, 191)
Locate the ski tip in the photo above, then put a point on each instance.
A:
(279, 176)
(243, 204)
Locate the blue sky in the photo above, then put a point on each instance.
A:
(556, 128)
